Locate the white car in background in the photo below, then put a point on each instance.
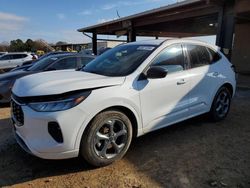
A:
(128, 91)
(12, 60)
(2, 53)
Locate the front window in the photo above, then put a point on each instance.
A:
(171, 59)
(120, 61)
(66, 63)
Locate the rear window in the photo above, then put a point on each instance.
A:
(198, 55)
(18, 56)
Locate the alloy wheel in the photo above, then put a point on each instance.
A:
(222, 104)
(110, 139)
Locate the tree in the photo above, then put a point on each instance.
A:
(29, 45)
(17, 46)
(59, 43)
(4, 46)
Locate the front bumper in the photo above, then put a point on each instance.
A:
(33, 135)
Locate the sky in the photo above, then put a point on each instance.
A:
(58, 20)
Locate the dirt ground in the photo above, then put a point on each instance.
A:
(194, 154)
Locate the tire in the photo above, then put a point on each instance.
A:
(221, 104)
(101, 144)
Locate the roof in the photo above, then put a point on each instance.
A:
(167, 7)
(184, 19)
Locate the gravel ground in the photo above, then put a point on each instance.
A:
(193, 154)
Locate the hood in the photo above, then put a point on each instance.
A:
(57, 82)
(12, 76)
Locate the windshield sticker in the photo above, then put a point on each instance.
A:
(148, 48)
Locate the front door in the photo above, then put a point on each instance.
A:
(165, 101)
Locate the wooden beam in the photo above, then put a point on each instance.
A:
(191, 13)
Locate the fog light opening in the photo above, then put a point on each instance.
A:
(55, 131)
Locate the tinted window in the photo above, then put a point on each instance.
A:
(199, 55)
(170, 58)
(120, 61)
(17, 56)
(5, 57)
(214, 56)
(66, 63)
(85, 60)
(42, 64)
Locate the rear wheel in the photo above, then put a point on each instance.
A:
(221, 104)
(107, 138)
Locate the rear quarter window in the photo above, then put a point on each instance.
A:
(214, 56)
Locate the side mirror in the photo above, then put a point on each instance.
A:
(156, 72)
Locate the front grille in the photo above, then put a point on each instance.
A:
(17, 113)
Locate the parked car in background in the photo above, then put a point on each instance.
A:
(28, 64)
(2, 53)
(11, 60)
(55, 62)
(128, 91)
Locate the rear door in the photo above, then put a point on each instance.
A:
(204, 73)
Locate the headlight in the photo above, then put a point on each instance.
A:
(59, 105)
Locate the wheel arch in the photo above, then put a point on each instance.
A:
(229, 87)
(131, 113)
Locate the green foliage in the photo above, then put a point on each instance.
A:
(19, 46)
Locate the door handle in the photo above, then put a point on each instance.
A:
(180, 82)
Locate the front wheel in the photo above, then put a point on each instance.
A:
(221, 104)
(107, 138)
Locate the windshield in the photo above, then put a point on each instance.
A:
(119, 61)
(42, 64)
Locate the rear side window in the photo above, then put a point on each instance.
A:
(214, 56)
(171, 58)
(66, 63)
(199, 55)
(18, 56)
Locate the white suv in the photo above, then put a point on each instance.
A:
(128, 91)
(12, 60)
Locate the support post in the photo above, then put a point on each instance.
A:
(131, 35)
(225, 31)
(94, 43)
